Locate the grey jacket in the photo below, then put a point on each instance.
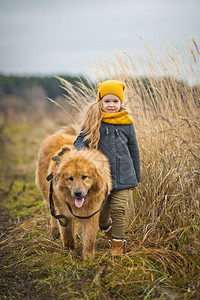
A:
(119, 144)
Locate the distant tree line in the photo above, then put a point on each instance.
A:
(24, 99)
(30, 87)
(15, 85)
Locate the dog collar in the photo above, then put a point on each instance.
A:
(59, 217)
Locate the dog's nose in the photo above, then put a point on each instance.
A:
(78, 194)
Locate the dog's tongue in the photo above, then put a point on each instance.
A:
(79, 202)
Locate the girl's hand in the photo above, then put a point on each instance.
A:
(131, 189)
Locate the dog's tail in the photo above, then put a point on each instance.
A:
(72, 130)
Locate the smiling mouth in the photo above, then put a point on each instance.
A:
(79, 202)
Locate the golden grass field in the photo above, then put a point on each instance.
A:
(163, 214)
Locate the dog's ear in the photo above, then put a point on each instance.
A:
(99, 182)
(56, 177)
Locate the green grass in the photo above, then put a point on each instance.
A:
(34, 265)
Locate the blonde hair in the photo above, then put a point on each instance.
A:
(91, 123)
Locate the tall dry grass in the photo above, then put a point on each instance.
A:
(163, 228)
(164, 210)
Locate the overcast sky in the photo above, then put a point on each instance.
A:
(64, 36)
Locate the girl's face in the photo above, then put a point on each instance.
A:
(111, 104)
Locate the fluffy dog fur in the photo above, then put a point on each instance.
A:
(85, 172)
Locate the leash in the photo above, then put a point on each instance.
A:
(80, 217)
(58, 217)
(52, 208)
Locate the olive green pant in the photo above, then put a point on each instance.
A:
(113, 211)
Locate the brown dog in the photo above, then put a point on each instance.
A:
(79, 182)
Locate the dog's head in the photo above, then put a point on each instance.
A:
(76, 177)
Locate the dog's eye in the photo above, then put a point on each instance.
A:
(71, 178)
(84, 177)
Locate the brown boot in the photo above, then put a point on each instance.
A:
(117, 247)
(107, 231)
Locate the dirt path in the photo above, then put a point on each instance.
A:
(4, 223)
(15, 281)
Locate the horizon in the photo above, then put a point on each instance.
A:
(68, 37)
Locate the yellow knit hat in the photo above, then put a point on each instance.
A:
(113, 87)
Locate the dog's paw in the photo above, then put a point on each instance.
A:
(69, 244)
(55, 232)
(88, 255)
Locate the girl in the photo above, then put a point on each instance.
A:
(108, 128)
